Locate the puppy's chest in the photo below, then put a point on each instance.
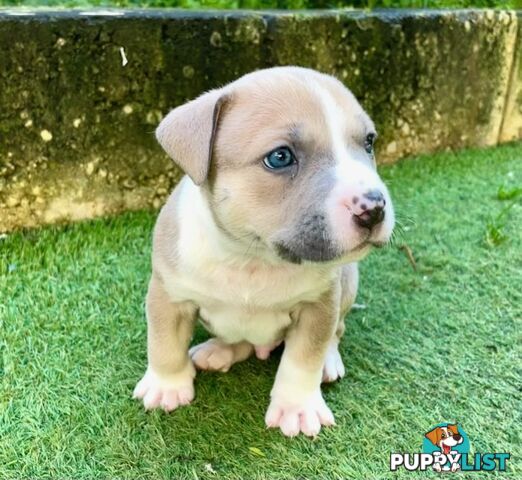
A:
(251, 303)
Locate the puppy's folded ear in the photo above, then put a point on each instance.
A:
(453, 429)
(434, 436)
(188, 132)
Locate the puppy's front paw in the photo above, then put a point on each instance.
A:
(333, 365)
(167, 392)
(302, 415)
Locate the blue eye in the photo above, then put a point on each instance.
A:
(281, 157)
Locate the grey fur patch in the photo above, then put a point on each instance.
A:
(311, 241)
(309, 237)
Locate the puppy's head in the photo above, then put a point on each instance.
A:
(445, 437)
(285, 157)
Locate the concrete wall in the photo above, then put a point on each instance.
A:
(76, 126)
(511, 128)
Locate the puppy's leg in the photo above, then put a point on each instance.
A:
(333, 368)
(216, 355)
(297, 403)
(333, 365)
(169, 380)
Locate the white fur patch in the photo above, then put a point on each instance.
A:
(353, 178)
(333, 365)
(336, 121)
(303, 414)
(166, 391)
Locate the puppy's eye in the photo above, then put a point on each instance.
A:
(368, 143)
(281, 157)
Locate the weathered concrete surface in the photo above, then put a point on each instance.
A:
(430, 80)
(76, 126)
(512, 118)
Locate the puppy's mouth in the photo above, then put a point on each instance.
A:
(446, 449)
(320, 247)
(324, 255)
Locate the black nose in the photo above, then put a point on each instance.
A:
(372, 209)
(370, 218)
(456, 437)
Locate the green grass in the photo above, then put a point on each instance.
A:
(440, 343)
(269, 4)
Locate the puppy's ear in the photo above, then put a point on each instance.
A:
(434, 436)
(188, 132)
(453, 429)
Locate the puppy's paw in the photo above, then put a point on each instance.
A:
(166, 392)
(333, 366)
(213, 355)
(303, 415)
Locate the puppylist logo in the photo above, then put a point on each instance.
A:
(445, 448)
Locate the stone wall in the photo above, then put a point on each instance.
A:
(76, 125)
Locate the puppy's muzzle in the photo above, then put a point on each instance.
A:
(369, 211)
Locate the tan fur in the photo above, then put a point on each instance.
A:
(349, 281)
(170, 328)
(296, 110)
(187, 133)
(291, 107)
(314, 327)
(165, 237)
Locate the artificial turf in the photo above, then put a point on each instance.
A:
(439, 343)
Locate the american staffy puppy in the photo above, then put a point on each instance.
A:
(260, 240)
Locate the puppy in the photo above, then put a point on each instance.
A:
(445, 438)
(260, 239)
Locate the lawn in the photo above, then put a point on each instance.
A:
(439, 343)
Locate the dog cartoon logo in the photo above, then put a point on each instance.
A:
(446, 442)
(445, 449)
